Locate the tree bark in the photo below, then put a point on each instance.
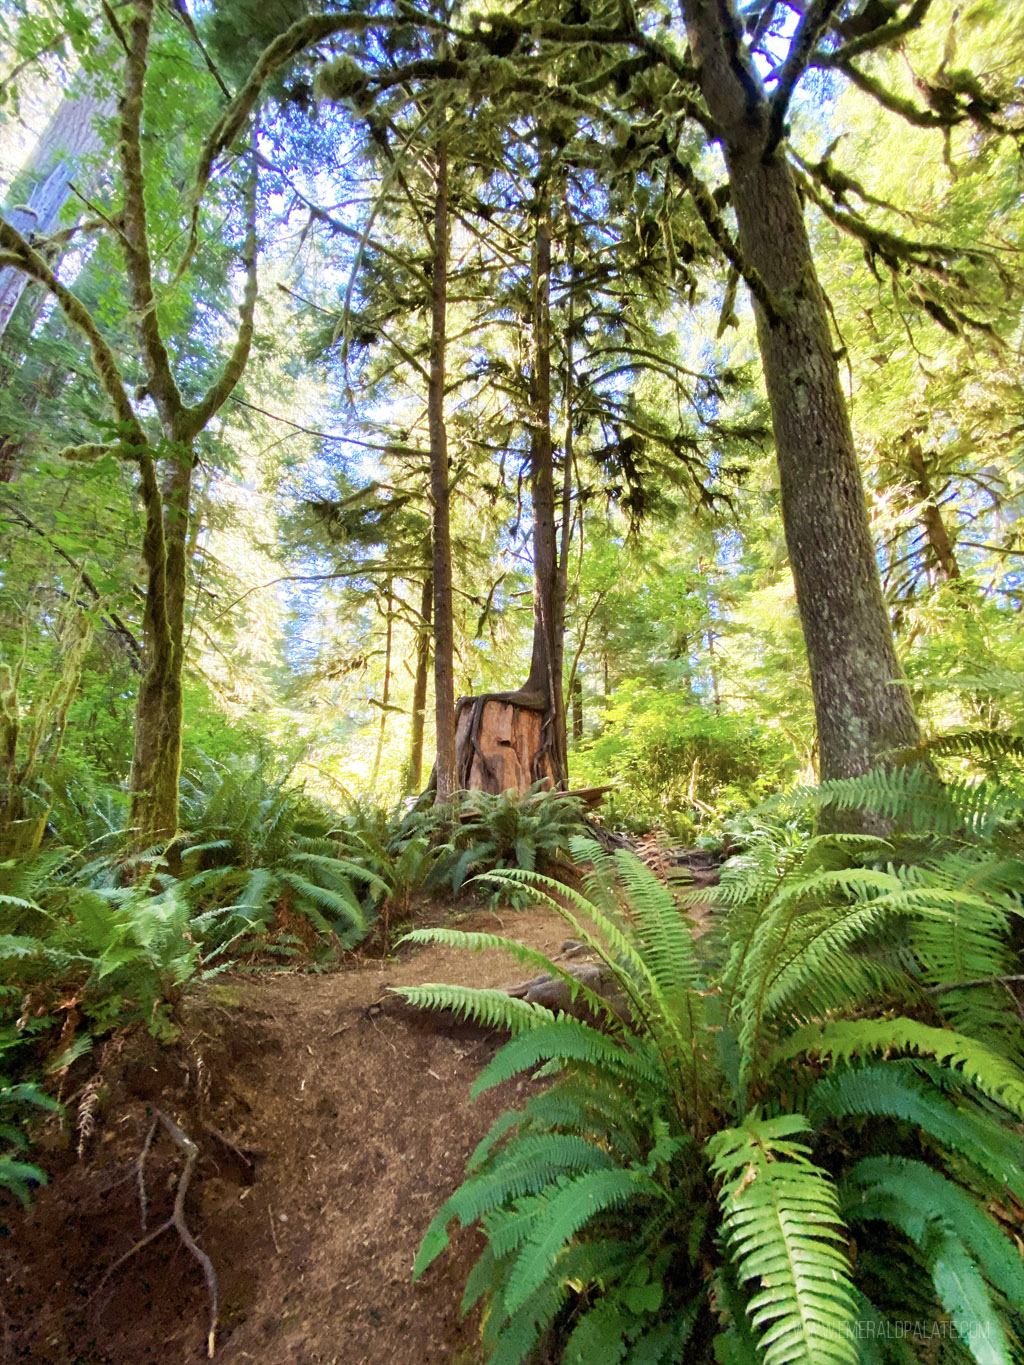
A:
(156, 757)
(860, 713)
(414, 778)
(385, 695)
(70, 137)
(547, 656)
(441, 545)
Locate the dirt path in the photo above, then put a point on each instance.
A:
(330, 1132)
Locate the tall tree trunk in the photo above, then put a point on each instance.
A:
(414, 778)
(441, 544)
(68, 139)
(509, 740)
(859, 712)
(546, 661)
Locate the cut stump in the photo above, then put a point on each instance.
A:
(500, 745)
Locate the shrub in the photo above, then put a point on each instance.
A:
(257, 849)
(678, 764)
(524, 830)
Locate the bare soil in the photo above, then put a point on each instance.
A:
(330, 1128)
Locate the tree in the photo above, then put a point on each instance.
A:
(164, 453)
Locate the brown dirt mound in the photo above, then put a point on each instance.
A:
(330, 1130)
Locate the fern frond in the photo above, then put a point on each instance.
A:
(492, 1008)
(896, 1090)
(781, 1220)
(671, 1022)
(991, 744)
(529, 957)
(666, 1343)
(570, 1206)
(531, 1166)
(340, 904)
(990, 1073)
(962, 1246)
(666, 937)
(562, 1039)
(339, 867)
(513, 1336)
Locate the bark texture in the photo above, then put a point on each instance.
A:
(441, 543)
(414, 780)
(860, 713)
(68, 139)
(500, 745)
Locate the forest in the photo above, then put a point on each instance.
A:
(511, 587)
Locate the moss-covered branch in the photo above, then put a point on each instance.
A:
(162, 386)
(719, 233)
(17, 252)
(197, 417)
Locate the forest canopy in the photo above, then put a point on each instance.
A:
(424, 424)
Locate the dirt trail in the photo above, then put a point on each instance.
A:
(330, 1132)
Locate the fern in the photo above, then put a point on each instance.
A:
(990, 1073)
(569, 1206)
(897, 1090)
(563, 1040)
(704, 1208)
(781, 1221)
(492, 1008)
(964, 1251)
(529, 957)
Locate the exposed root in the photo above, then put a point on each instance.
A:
(176, 1220)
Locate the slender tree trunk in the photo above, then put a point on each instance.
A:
(441, 545)
(385, 696)
(414, 779)
(545, 676)
(860, 713)
(576, 693)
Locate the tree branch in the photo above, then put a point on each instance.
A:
(18, 253)
(816, 20)
(197, 417)
(162, 386)
(882, 36)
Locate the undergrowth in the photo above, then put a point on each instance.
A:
(802, 1132)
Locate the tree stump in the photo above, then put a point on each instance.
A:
(501, 744)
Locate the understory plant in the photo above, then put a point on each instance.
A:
(799, 1134)
(514, 829)
(258, 850)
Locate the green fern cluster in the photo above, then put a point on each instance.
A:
(758, 1158)
(255, 846)
(513, 829)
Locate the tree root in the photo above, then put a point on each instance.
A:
(176, 1220)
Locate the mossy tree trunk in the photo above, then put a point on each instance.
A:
(159, 709)
(860, 708)
(165, 465)
(421, 678)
